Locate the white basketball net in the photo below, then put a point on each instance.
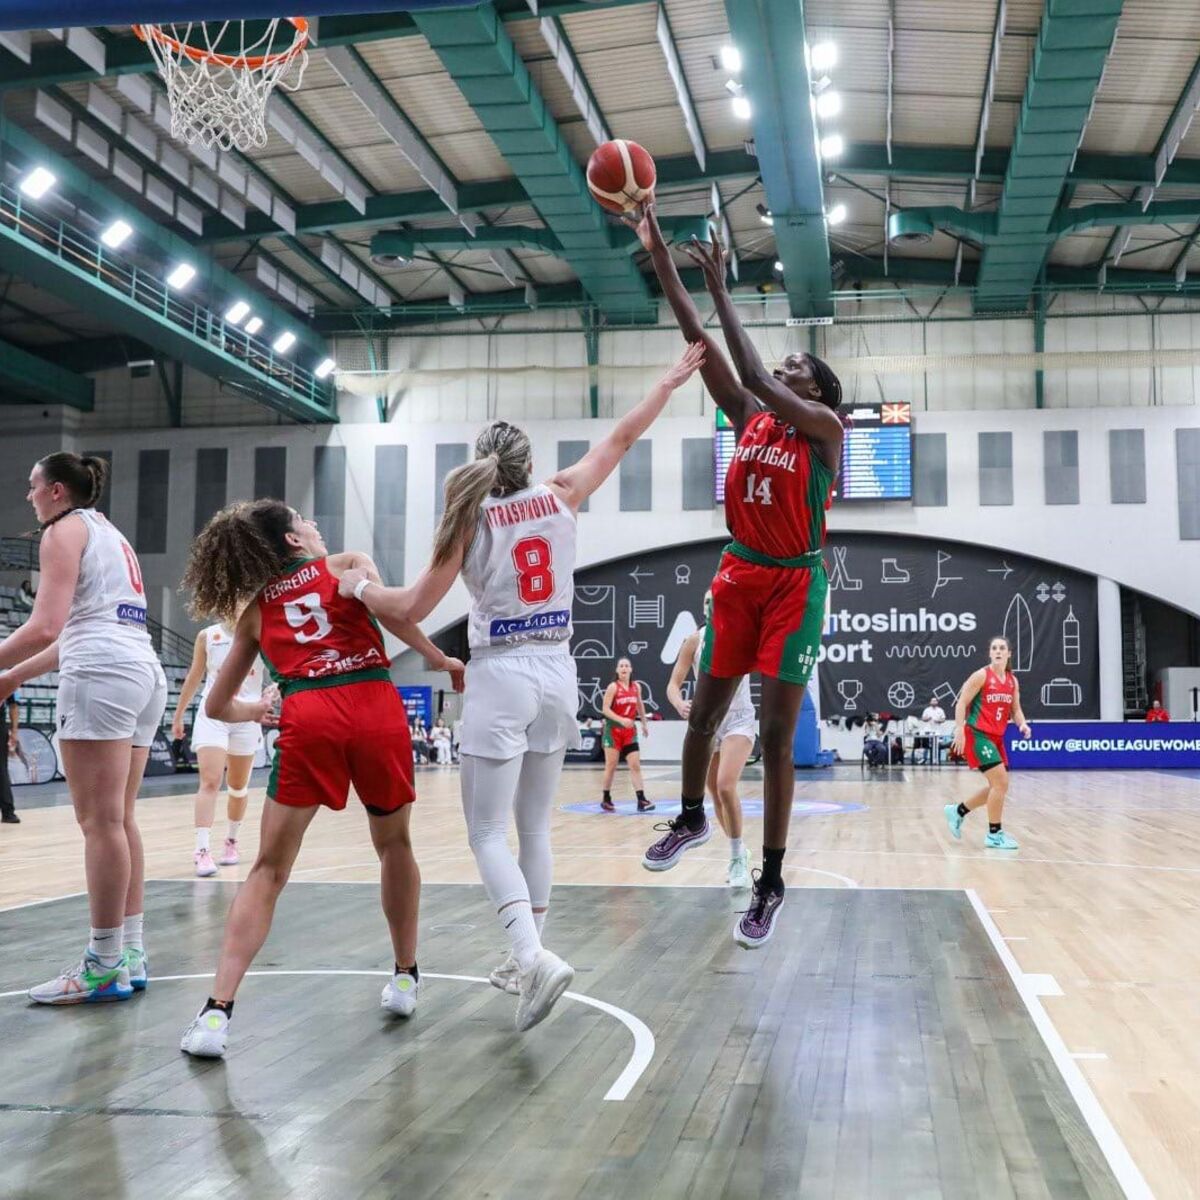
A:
(218, 83)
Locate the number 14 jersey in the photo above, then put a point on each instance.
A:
(520, 572)
(313, 638)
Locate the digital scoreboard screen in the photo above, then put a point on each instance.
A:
(876, 453)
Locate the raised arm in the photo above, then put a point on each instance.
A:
(191, 683)
(679, 674)
(61, 549)
(402, 603)
(573, 485)
(728, 394)
(815, 420)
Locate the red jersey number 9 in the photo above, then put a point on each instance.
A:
(133, 567)
(535, 575)
(306, 610)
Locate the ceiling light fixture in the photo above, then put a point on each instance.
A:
(823, 56)
(117, 234)
(731, 58)
(237, 313)
(38, 182)
(829, 104)
(741, 108)
(181, 276)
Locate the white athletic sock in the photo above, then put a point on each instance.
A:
(105, 946)
(202, 839)
(234, 826)
(519, 924)
(133, 932)
(539, 919)
(735, 847)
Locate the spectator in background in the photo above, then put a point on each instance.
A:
(12, 745)
(439, 742)
(1156, 712)
(420, 740)
(932, 720)
(24, 595)
(455, 738)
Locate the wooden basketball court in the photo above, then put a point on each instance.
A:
(931, 1020)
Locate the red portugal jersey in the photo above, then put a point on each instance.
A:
(312, 637)
(992, 707)
(625, 700)
(777, 490)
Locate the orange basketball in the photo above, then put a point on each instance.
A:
(620, 175)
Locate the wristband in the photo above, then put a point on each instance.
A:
(360, 587)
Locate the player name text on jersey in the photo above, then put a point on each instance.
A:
(528, 509)
(298, 579)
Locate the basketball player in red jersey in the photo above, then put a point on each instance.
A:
(623, 711)
(770, 588)
(987, 702)
(342, 723)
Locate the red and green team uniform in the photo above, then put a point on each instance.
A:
(987, 719)
(625, 704)
(769, 591)
(343, 721)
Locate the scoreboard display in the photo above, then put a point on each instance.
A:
(876, 453)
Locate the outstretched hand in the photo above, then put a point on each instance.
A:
(350, 580)
(686, 367)
(644, 222)
(710, 259)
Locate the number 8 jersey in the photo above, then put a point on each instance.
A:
(520, 572)
(312, 637)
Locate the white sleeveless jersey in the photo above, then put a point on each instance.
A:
(107, 622)
(218, 641)
(520, 571)
(741, 698)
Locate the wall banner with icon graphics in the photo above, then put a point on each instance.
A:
(910, 619)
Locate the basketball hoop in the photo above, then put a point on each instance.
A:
(218, 83)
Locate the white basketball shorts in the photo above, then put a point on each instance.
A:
(110, 703)
(516, 702)
(234, 737)
(738, 721)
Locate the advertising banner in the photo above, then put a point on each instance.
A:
(1108, 745)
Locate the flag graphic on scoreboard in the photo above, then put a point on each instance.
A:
(897, 414)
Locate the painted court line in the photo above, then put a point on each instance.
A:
(643, 1039)
(1115, 1151)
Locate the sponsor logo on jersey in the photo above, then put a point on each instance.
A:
(131, 614)
(298, 579)
(333, 662)
(540, 625)
(517, 511)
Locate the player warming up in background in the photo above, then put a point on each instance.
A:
(514, 543)
(623, 712)
(221, 748)
(989, 699)
(733, 744)
(342, 723)
(89, 621)
(769, 591)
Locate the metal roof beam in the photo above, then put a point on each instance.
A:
(771, 37)
(36, 379)
(683, 94)
(1072, 48)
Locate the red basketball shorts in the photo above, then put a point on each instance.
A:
(984, 750)
(766, 619)
(336, 737)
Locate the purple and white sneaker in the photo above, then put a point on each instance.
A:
(669, 848)
(757, 923)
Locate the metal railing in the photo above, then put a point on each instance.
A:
(88, 254)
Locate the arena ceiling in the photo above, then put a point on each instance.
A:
(1015, 147)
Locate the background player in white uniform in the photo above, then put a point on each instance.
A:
(514, 543)
(221, 747)
(89, 621)
(734, 741)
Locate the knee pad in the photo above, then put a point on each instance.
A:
(237, 793)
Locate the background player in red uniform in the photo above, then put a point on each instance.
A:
(770, 588)
(623, 710)
(342, 722)
(988, 700)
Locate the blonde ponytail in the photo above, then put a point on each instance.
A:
(501, 467)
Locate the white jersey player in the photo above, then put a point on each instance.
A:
(89, 621)
(514, 544)
(222, 747)
(732, 746)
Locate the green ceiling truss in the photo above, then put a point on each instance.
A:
(474, 47)
(29, 378)
(771, 35)
(1072, 47)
